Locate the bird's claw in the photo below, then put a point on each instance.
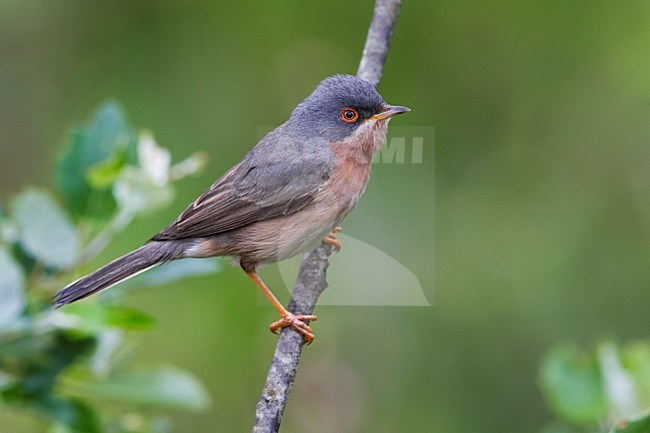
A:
(331, 239)
(297, 323)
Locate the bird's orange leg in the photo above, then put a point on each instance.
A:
(331, 239)
(293, 321)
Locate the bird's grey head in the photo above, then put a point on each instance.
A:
(340, 107)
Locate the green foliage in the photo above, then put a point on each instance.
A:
(106, 141)
(600, 387)
(573, 385)
(639, 426)
(11, 288)
(46, 232)
(96, 317)
(162, 386)
(57, 363)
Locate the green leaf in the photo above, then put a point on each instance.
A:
(46, 358)
(46, 232)
(103, 175)
(639, 426)
(619, 385)
(11, 288)
(100, 140)
(573, 385)
(163, 386)
(8, 229)
(96, 317)
(636, 359)
(77, 416)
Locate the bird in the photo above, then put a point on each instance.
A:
(289, 192)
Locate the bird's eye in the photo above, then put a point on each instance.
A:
(349, 115)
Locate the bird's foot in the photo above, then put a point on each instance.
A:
(331, 239)
(297, 323)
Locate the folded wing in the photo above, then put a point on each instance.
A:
(248, 193)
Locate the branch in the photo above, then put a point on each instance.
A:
(312, 277)
(378, 40)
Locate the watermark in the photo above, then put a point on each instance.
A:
(388, 254)
(395, 151)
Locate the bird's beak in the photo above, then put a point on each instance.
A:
(389, 111)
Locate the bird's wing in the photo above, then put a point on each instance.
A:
(250, 193)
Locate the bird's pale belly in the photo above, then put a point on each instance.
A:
(283, 237)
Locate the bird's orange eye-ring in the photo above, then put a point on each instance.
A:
(349, 115)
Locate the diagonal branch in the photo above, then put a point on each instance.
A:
(378, 40)
(313, 271)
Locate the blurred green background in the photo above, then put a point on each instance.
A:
(542, 216)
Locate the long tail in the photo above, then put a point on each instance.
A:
(121, 269)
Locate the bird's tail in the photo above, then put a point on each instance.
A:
(121, 269)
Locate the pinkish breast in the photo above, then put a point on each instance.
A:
(354, 156)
